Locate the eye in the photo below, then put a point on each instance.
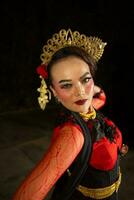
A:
(86, 79)
(66, 86)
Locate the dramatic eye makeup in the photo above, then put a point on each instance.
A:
(66, 86)
(67, 83)
(86, 77)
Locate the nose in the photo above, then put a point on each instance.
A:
(79, 90)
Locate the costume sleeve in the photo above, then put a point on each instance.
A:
(99, 100)
(60, 154)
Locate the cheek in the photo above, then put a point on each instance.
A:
(89, 87)
(62, 94)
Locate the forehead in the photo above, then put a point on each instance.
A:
(69, 68)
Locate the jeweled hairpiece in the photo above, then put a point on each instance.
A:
(92, 45)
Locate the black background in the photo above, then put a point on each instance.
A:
(24, 29)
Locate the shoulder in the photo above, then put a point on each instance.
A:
(68, 130)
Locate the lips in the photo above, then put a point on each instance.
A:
(81, 102)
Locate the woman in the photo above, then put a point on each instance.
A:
(82, 161)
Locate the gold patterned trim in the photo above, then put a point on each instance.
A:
(100, 193)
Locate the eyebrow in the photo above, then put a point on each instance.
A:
(87, 73)
(69, 80)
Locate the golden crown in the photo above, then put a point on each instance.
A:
(92, 45)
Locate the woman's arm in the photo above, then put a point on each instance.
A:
(99, 98)
(57, 159)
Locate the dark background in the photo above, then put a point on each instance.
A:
(24, 29)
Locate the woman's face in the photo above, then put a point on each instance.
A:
(72, 84)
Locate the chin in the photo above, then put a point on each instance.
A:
(78, 109)
(82, 110)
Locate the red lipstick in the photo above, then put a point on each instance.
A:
(81, 102)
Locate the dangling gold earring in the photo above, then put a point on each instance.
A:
(45, 94)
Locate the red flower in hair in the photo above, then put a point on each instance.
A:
(41, 70)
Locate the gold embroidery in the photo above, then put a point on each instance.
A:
(100, 193)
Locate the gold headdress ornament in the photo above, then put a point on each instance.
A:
(92, 45)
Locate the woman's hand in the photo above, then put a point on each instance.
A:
(99, 98)
(124, 150)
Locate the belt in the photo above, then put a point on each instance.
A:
(100, 193)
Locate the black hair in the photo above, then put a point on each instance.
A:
(68, 52)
